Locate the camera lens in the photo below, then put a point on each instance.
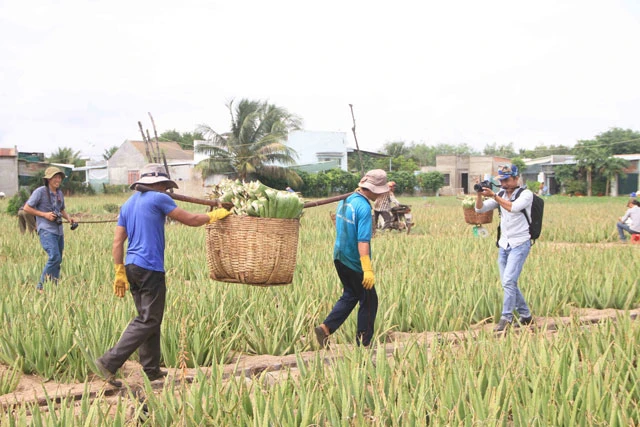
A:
(477, 187)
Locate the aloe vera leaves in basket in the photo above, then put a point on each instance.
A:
(256, 199)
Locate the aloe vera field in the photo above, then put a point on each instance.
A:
(247, 355)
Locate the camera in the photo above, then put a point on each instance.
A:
(479, 186)
(58, 219)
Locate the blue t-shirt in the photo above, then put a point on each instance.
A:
(353, 225)
(54, 202)
(143, 217)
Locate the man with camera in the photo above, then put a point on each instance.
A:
(47, 205)
(514, 243)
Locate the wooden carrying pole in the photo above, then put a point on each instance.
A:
(217, 203)
(214, 203)
(326, 201)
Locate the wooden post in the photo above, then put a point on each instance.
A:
(146, 144)
(356, 139)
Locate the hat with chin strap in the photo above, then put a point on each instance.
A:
(152, 174)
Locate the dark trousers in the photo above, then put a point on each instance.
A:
(386, 218)
(148, 289)
(353, 293)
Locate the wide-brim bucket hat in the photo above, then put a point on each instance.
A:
(52, 171)
(375, 181)
(152, 174)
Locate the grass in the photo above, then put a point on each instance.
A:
(439, 278)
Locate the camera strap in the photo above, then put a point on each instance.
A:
(55, 207)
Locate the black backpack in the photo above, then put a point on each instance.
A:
(537, 211)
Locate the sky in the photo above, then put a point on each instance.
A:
(81, 74)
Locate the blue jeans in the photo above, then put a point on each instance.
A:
(53, 245)
(510, 262)
(622, 228)
(352, 294)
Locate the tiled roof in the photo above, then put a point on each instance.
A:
(8, 152)
(171, 150)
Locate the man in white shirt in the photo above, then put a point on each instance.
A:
(514, 243)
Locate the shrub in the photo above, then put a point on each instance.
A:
(430, 182)
(534, 186)
(17, 201)
(405, 181)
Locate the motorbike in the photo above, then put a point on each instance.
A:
(401, 219)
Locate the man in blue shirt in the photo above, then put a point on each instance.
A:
(141, 220)
(515, 241)
(47, 205)
(352, 260)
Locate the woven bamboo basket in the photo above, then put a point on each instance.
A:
(472, 217)
(253, 251)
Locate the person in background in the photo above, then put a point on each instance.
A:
(26, 222)
(630, 222)
(352, 260)
(141, 221)
(514, 243)
(382, 206)
(544, 190)
(290, 190)
(47, 205)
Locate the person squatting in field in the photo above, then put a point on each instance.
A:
(141, 221)
(630, 221)
(514, 243)
(47, 205)
(352, 260)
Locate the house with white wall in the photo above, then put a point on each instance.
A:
(315, 148)
(125, 164)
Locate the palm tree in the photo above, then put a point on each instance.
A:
(589, 157)
(108, 152)
(610, 168)
(66, 155)
(255, 146)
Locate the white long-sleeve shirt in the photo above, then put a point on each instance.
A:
(514, 228)
(634, 214)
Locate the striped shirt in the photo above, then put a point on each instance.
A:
(385, 202)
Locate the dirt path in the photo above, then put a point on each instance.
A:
(33, 389)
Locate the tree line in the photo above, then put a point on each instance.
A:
(254, 147)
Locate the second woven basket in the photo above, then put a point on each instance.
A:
(472, 217)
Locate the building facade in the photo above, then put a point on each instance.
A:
(9, 171)
(460, 172)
